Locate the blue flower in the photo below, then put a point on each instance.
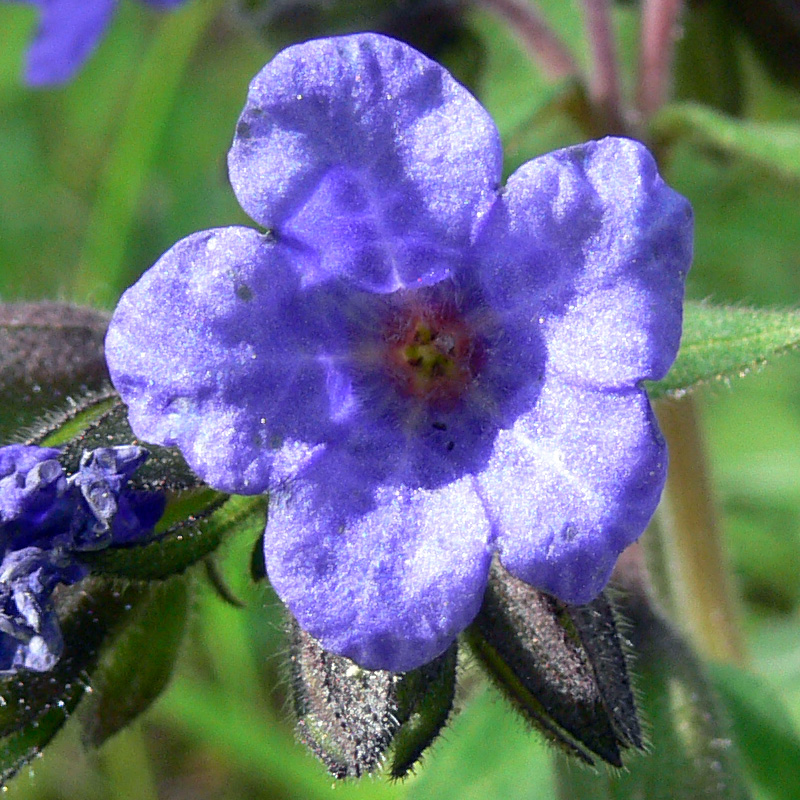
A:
(47, 520)
(68, 33)
(424, 368)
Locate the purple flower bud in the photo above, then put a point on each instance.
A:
(32, 485)
(47, 520)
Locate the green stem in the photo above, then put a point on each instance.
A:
(685, 549)
(100, 275)
(127, 766)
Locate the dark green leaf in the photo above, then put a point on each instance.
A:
(724, 342)
(425, 702)
(136, 668)
(106, 425)
(21, 746)
(36, 705)
(598, 630)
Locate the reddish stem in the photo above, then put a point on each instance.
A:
(660, 31)
(604, 78)
(541, 40)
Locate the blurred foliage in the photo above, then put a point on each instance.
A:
(151, 117)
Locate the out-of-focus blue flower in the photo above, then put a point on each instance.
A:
(425, 368)
(69, 32)
(47, 520)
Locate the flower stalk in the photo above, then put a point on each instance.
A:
(689, 561)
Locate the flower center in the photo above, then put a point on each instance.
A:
(431, 353)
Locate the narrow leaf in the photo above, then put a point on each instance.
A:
(165, 469)
(725, 342)
(21, 746)
(774, 146)
(100, 419)
(134, 671)
(213, 517)
(596, 624)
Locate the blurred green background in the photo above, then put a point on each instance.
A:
(97, 179)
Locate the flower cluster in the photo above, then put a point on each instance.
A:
(47, 521)
(68, 33)
(424, 368)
